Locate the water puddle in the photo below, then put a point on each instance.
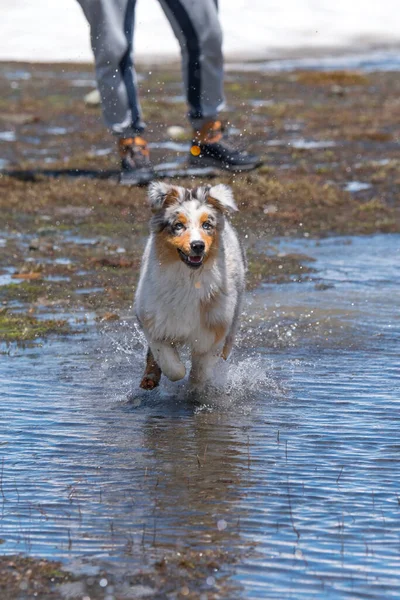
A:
(7, 278)
(362, 61)
(293, 126)
(289, 462)
(93, 290)
(174, 146)
(302, 144)
(8, 136)
(261, 103)
(17, 74)
(100, 151)
(356, 186)
(56, 130)
(82, 241)
(178, 99)
(89, 83)
(57, 278)
(30, 139)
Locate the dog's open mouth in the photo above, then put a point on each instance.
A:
(193, 261)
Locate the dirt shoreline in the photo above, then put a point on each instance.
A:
(187, 574)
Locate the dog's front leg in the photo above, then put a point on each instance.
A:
(152, 373)
(167, 357)
(202, 366)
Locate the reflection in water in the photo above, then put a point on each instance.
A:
(287, 470)
(206, 481)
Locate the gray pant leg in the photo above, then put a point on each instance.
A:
(111, 31)
(197, 28)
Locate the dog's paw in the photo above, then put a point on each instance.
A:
(148, 383)
(175, 372)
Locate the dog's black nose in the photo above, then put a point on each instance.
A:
(197, 247)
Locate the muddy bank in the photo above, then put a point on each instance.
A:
(172, 575)
(329, 141)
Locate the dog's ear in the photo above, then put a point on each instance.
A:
(221, 197)
(162, 195)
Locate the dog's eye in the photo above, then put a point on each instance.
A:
(207, 226)
(178, 226)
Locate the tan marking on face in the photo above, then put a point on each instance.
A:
(166, 254)
(168, 243)
(204, 217)
(210, 238)
(183, 239)
(167, 246)
(181, 218)
(212, 243)
(181, 242)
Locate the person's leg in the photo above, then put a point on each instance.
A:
(111, 31)
(197, 28)
(196, 25)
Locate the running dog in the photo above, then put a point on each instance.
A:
(192, 281)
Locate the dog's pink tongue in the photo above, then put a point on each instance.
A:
(195, 259)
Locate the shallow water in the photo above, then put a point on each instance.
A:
(356, 186)
(368, 62)
(302, 144)
(290, 463)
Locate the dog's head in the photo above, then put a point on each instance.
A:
(187, 222)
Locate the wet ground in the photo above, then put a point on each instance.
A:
(282, 480)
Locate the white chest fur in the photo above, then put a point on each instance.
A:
(171, 300)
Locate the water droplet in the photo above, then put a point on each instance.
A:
(222, 524)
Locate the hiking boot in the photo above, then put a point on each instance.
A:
(210, 150)
(135, 158)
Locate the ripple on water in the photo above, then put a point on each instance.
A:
(291, 464)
